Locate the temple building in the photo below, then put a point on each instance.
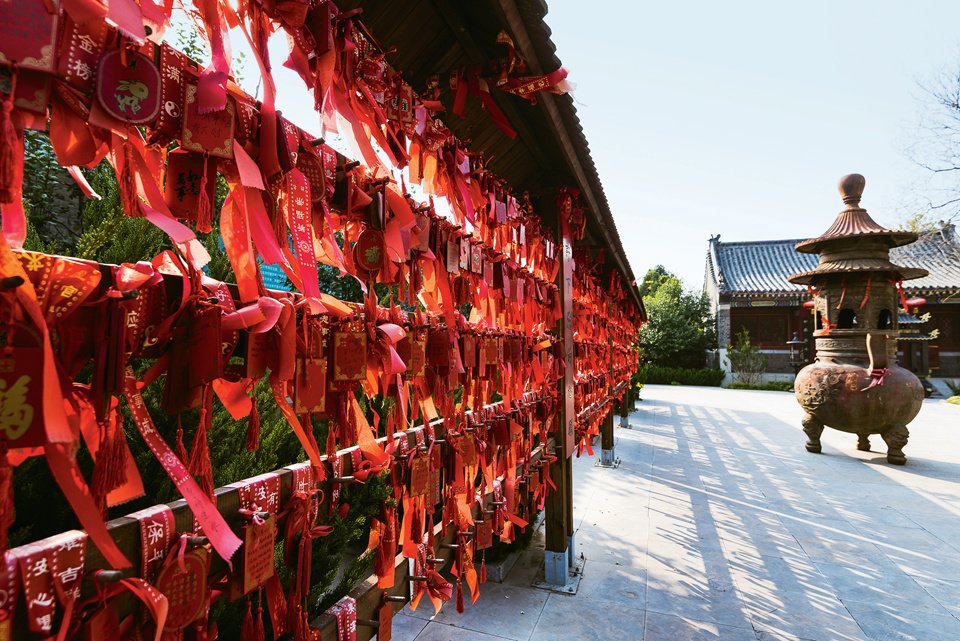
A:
(748, 289)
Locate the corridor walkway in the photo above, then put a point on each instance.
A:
(719, 525)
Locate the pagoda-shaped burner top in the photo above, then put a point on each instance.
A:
(855, 384)
(855, 242)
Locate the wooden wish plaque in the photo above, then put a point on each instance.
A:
(419, 476)
(256, 565)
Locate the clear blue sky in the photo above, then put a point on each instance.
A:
(738, 118)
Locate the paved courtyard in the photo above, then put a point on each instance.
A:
(719, 525)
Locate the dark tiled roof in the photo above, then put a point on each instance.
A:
(763, 266)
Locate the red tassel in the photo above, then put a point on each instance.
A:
(200, 454)
(128, 183)
(460, 607)
(258, 632)
(110, 471)
(483, 567)
(7, 511)
(247, 632)
(179, 449)
(204, 207)
(253, 428)
(8, 147)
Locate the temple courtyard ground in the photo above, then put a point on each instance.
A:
(719, 525)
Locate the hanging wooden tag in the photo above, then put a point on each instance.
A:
(476, 259)
(212, 132)
(453, 255)
(257, 565)
(419, 476)
(468, 350)
(438, 349)
(349, 356)
(183, 580)
(129, 91)
(468, 450)
(368, 253)
(311, 389)
(185, 171)
(484, 535)
(28, 34)
(465, 257)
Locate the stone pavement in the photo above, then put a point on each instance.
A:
(719, 525)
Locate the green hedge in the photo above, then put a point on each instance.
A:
(772, 386)
(681, 376)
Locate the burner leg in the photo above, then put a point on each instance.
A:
(863, 442)
(814, 428)
(896, 439)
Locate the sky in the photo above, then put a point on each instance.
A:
(738, 118)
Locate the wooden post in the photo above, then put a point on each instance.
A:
(559, 551)
(607, 456)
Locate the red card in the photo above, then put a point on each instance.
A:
(129, 90)
(419, 476)
(311, 390)
(185, 172)
(28, 34)
(258, 553)
(349, 356)
(484, 535)
(82, 45)
(210, 133)
(369, 252)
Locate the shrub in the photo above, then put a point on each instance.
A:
(954, 399)
(746, 360)
(681, 376)
(954, 387)
(772, 386)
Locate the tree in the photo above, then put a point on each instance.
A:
(936, 148)
(678, 332)
(747, 361)
(654, 278)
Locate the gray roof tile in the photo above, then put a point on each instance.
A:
(763, 266)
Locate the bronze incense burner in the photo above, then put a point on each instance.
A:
(855, 384)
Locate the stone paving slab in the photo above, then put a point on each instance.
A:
(719, 526)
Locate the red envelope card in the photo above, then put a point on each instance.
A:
(28, 34)
(210, 133)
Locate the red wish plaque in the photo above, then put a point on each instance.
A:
(419, 476)
(28, 34)
(210, 133)
(185, 179)
(129, 90)
(349, 356)
(311, 389)
(369, 251)
(183, 580)
(258, 555)
(484, 537)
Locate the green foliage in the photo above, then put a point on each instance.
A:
(704, 377)
(954, 387)
(678, 332)
(772, 386)
(654, 278)
(747, 361)
(955, 400)
(920, 223)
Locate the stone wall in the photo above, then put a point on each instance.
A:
(949, 365)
